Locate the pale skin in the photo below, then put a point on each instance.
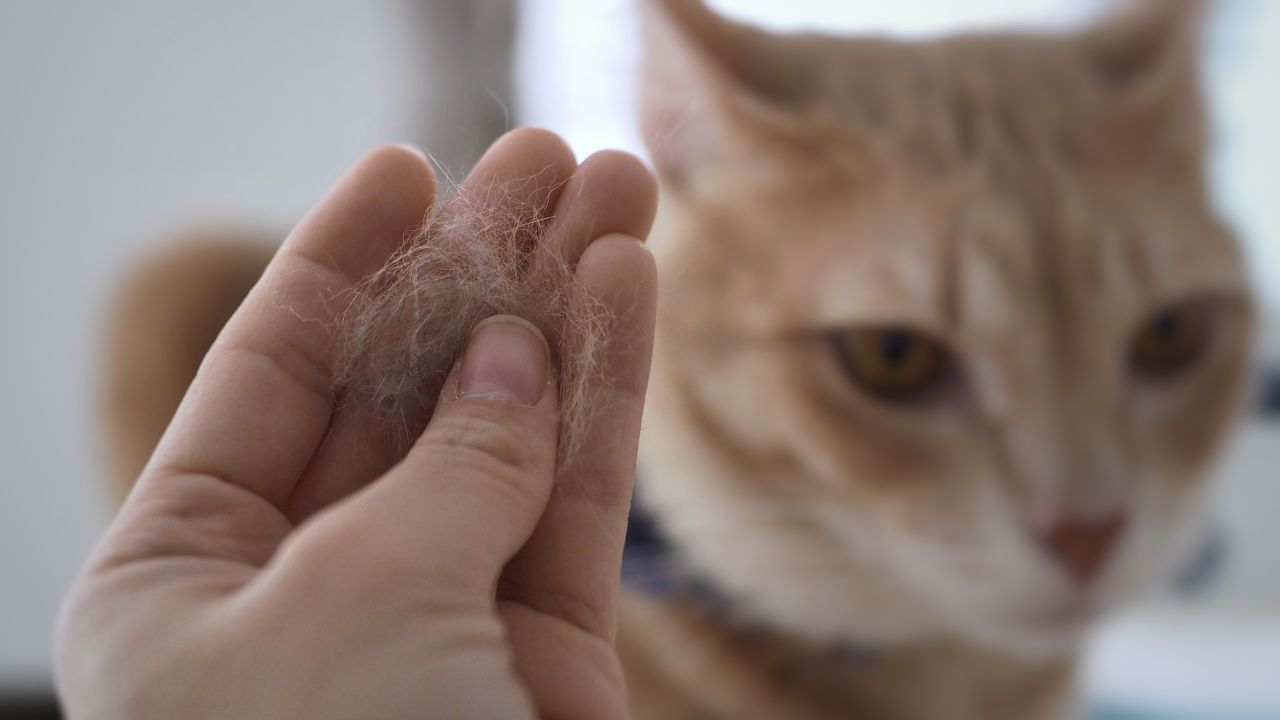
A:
(256, 571)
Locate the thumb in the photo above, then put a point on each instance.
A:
(470, 491)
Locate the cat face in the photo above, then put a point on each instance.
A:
(948, 331)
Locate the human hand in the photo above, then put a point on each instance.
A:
(278, 560)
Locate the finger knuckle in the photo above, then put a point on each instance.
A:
(344, 556)
(328, 544)
(482, 442)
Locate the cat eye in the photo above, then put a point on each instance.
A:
(1171, 341)
(892, 363)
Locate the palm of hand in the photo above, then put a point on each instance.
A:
(277, 559)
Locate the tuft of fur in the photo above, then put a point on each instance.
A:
(481, 253)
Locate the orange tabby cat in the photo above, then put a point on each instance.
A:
(949, 333)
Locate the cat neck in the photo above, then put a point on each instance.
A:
(684, 634)
(680, 662)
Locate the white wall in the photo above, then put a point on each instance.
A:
(1246, 75)
(119, 122)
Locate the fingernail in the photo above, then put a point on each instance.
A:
(506, 360)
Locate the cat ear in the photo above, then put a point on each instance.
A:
(706, 79)
(1147, 54)
(1150, 47)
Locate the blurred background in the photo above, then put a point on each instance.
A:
(123, 123)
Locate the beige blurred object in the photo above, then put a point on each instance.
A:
(169, 311)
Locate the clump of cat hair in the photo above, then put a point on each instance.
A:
(483, 252)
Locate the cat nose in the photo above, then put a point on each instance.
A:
(1083, 546)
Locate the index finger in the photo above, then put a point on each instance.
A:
(263, 397)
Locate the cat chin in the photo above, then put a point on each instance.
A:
(1031, 638)
(1036, 645)
(1045, 628)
